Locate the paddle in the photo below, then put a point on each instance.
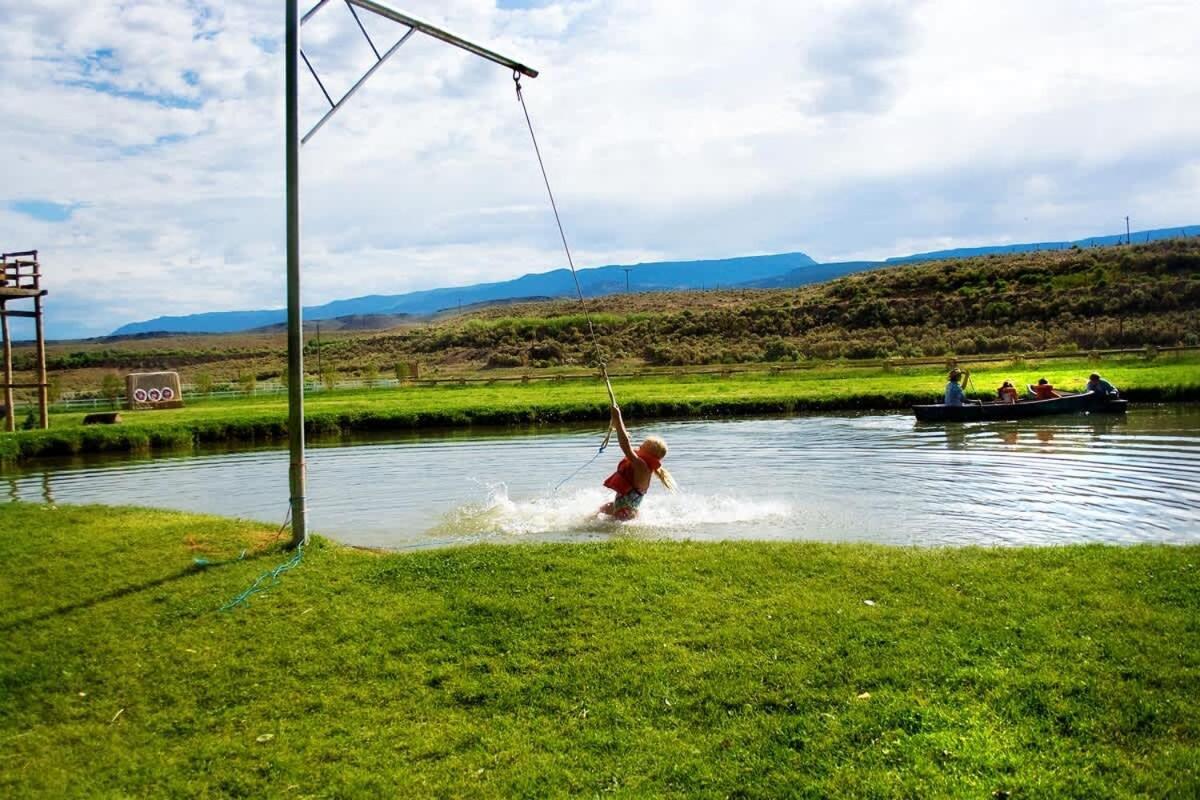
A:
(968, 382)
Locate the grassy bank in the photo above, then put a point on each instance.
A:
(826, 388)
(631, 668)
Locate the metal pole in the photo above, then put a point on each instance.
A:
(1126, 230)
(320, 371)
(296, 467)
(43, 389)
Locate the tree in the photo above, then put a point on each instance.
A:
(111, 387)
(203, 383)
(370, 375)
(402, 371)
(54, 389)
(329, 377)
(247, 382)
(283, 377)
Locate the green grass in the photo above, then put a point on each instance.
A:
(631, 668)
(830, 387)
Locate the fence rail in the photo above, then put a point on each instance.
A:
(314, 387)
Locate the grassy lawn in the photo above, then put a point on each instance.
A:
(630, 668)
(829, 387)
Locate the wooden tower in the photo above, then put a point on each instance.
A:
(20, 279)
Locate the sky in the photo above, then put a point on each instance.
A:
(142, 147)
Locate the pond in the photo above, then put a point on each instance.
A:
(864, 477)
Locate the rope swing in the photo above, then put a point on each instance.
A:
(574, 275)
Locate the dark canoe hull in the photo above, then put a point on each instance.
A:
(1023, 409)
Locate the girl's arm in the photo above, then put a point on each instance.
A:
(622, 434)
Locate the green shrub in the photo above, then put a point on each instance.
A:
(111, 387)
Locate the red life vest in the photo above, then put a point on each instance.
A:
(621, 481)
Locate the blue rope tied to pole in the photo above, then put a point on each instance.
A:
(271, 578)
(200, 561)
(589, 462)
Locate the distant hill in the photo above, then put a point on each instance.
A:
(1137, 237)
(818, 273)
(596, 281)
(350, 322)
(814, 273)
(1065, 299)
(767, 271)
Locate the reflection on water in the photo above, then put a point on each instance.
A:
(1081, 428)
(877, 477)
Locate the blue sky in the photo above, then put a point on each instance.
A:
(43, 210)
(146, 164)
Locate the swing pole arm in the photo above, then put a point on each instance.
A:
(414, 25)
(445, 36)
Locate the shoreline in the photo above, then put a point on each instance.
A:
(28, 446)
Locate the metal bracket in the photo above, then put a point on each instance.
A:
(414, 25)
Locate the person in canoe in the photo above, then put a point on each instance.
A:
(1044, 390)
(1101, 387)
(1007, 392)
(954, 392)
(631, 481)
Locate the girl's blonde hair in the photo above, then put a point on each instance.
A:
(658, 448)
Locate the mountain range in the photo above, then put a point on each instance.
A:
(766, 271)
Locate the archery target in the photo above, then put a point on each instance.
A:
(153, 390)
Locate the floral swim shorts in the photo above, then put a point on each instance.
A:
(626, 505)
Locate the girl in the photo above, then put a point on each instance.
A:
(631, 481)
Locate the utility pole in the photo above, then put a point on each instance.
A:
(627, 270)
(1127, 240)
(320, 372)
(297, 500)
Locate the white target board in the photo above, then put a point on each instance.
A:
(153, 390)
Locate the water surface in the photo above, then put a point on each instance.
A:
(866, 477)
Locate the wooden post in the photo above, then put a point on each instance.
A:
(43, 390)
(10, 414)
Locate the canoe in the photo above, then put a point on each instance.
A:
(1087, 402)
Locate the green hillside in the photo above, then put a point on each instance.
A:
(1073, 300)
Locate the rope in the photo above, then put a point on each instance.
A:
(585, 465)
(273, 574)
(612, 398)
(562, 234)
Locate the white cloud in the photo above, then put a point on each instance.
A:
(671, 129)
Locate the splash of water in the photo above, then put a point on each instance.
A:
(577, 512)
